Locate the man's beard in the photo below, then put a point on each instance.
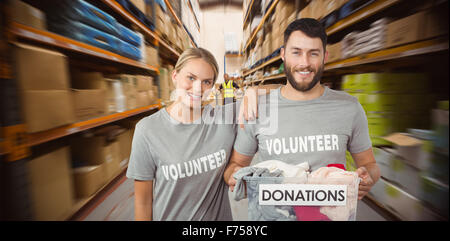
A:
(304, 87)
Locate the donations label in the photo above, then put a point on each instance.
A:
(302, 194)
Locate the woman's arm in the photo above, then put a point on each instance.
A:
(143, 199)
(249, 105)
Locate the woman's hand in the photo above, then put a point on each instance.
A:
(249, 106)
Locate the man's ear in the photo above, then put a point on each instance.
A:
(282, 53)
(325, 58)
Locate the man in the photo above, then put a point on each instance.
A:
(314, 123)
(228, 87)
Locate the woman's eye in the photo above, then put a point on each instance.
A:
(206, 82)
(191, 78)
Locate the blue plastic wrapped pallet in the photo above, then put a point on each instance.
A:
(86, 13)
(302, 199)
(129, 36)
(87, 34)
(352, 6)
(330, 19)
(129, 51)
(136, 12)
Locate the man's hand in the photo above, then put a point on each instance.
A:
(366, 182)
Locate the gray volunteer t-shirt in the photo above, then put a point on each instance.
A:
(317, 131)
(186, 163)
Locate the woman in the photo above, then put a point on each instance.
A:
(179, 153)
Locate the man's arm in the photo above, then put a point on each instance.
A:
(237, 161)
(143, 200)
(368, 171)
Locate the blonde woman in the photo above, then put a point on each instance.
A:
(179, 153)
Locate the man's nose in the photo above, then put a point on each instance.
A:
(304, 61)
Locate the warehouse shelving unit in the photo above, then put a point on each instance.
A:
(20, 31)
(354, 18)
(414, 49)
(115, 6)
(16, 144)
(247, 13)
(197, 24)
(367, 11)
(52, 134)
(177, 19)
(260, 25)
(402, 56)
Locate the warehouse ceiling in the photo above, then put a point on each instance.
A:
(214, 3)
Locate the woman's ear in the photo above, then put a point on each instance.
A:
(174, 77)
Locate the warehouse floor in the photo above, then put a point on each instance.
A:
(118, 205)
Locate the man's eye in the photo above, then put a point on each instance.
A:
(314, 54)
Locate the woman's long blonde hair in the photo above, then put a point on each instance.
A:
(197, 53)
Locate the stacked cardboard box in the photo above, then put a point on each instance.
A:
(96, 159)
(283, 15)
(149, 6)
(400, 167)
(331, 5)
(419, 26)
(145, 90)
(129, 88)
(89, 94)
(115, 98)
(393, 101)
(168, 28)
(51, 185)
(43, 83)
(164, 84)
(416, 167)
(161, 19)
(125, 142)
(246, 34)
(334, 52)
(140, 4)
(23, 13)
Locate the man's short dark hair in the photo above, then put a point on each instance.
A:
(309, 26)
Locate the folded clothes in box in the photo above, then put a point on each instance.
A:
(84, 12)
(278, 191)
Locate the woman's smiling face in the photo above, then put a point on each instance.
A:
(193, 82)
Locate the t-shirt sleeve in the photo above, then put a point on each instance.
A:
(246, 142)
(141, 165)
(360, 139)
